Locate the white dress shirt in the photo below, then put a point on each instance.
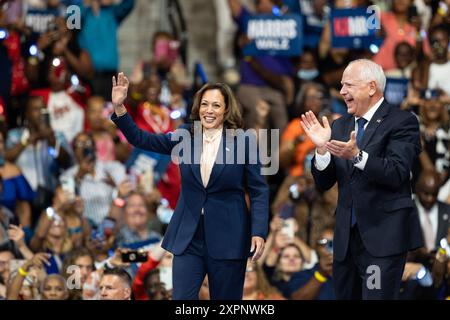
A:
(322, 161)
(426, 217)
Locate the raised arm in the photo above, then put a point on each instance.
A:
(160, 143)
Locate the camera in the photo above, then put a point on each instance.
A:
(134, 256)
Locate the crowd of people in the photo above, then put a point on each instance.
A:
(83, 213)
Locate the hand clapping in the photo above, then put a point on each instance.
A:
(320, 135)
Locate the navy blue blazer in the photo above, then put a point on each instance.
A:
(381, 193)
(228, 223)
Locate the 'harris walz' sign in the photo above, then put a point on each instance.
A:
(274, 35)
(354, 28)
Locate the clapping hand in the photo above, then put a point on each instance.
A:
(318, 134)
(345, 150)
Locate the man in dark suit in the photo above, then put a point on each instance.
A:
(433, 214)
(434, 221)
(369, 152)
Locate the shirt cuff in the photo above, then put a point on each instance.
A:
(322, 160)
(362, 164)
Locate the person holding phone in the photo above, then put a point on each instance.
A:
(317, 283)
(95, 180)
(211, 231)
(15, 191)
(38, 151)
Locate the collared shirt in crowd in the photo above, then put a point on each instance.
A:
(95, 192)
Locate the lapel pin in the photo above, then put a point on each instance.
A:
(228, 149)
(378, 120)
(445, 217)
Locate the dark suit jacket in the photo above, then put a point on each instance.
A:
(381, 193)
(443, 222)
(228, 223)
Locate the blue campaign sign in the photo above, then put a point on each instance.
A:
(274, 35)
(396, 90)
(354, 28)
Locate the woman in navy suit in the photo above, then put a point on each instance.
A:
(212, 231)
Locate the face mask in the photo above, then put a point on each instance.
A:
(307, 74)
(164, 212)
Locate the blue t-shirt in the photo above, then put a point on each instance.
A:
(15, 188)
(98, 34)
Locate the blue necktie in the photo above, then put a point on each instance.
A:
(359, 135)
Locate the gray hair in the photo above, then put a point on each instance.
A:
(371, 71)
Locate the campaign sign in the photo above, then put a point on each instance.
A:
(396, 90)
(354, 28)
(274, 35)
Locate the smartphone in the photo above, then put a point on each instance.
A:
(108, 226)
(89, 153)
(45, 117)
(69, 188)
(165, 276)
(412, 12)
(134, 256)
(328, 244)
(168, 49)
(288, 227)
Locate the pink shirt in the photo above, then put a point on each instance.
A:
(394, 35)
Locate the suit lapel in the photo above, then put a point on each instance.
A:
(224, 156)
(348, 129)
(376, 120)
(373, 124)
(197, 146)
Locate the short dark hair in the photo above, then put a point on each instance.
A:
(440, 28)
(121, 273)
(149, 274)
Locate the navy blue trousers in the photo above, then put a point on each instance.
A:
(363, 276)
(225, 277)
